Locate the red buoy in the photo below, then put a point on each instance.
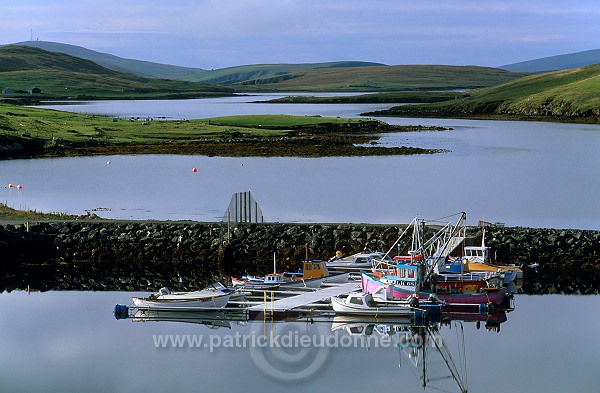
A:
(10, 185)
(19, 187)
(194, 170)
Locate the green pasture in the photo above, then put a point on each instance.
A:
(35, 123)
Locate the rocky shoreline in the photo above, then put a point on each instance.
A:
(146, 255)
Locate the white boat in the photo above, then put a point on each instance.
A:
(275, 280)
(478, 259)
(184, 301)
(355, 263)
(363, 304)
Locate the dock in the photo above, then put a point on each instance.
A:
(304, 299)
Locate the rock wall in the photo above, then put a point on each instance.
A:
(112, 255)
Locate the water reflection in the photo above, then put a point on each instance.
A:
(299, 348)
(69, 341)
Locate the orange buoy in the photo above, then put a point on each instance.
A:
(194, 170)
(10, 185)
(19, 186)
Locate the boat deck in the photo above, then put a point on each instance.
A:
(289, 303)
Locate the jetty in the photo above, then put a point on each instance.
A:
(304, 301)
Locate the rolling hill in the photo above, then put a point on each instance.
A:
(245, 73)
(556, 63)
(386, 78)
(568, 94)
(62, 75)
(141, 68)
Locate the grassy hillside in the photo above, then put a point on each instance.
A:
(556, 63)
(382, 78)
(245, 73)
(61, 75)
(141, 68)
(568, 94)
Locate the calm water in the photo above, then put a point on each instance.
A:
(70, 341)
(530, 174)
(521, 173)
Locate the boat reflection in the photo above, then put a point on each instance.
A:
(211, 319)
(427, 348)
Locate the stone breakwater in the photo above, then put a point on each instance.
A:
(144, 256)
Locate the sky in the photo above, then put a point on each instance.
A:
(211, 34)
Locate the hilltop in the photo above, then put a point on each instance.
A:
(59, 75)
(245, 73)
(562, 95)
(145, 69)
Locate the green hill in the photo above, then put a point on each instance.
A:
(568, 94)
(556, 63)
(385, 78)
(141, 68)
(60, 75)
(246, 73)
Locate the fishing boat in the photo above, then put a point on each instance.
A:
(478, 259)
(184, 301)
(400, 288)
(363, 304)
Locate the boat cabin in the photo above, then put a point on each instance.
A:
(360, 299)
(314, 269)
(405, 274)
(477, 254)
(273, 278)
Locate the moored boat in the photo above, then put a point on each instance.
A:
(275, 280)
(398, 290)
(478, 259)
(195, 300)
(317, 269)
(357, 262)
(363, 304)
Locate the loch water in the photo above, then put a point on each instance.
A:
(532, 174)
(70, 341)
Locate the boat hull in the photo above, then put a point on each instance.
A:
(182, 302)
(313, 283)
(343, 308)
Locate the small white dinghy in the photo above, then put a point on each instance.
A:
(212, 298)
(363, 304)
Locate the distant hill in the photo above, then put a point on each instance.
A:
(61, 75)
(244, 73)
(141, 68)
(385, 78)
(556, 63)
(567, 94)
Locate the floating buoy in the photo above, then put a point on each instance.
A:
(194, 170)
(19, 186)
(108, 162)
(10, 185)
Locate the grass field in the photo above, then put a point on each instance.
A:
(35, 123)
